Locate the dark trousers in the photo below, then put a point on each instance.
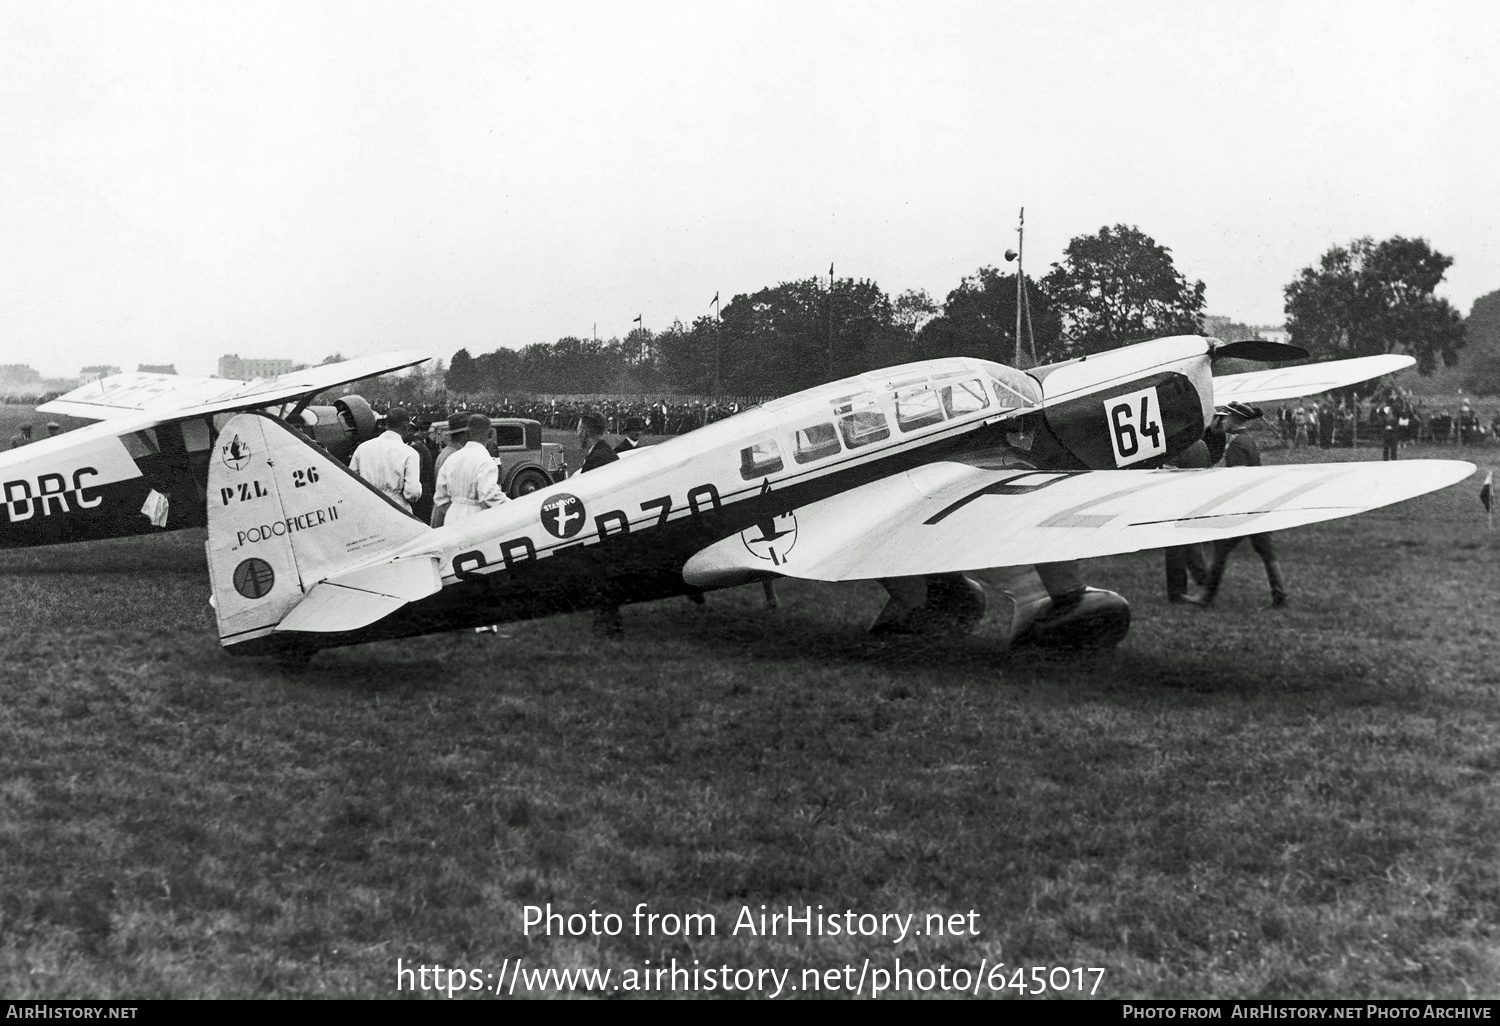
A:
(1183, 561)
(1263, 547)
(1389, 452)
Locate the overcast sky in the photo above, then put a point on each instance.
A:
(181, 180)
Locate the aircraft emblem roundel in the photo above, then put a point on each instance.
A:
(563, 515)
(254, 578)
(235, 453)
(771, 539)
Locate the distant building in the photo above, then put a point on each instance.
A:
(91, 374)
(18, 374)
(231, 366)
(1227, 329)
(156, 368)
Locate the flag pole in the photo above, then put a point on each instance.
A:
(1020, 278)
(717, 343)
(830, 321)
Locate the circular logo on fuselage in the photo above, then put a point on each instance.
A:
(235, 453)
(772, 538)
(254, 578)
(563, 515)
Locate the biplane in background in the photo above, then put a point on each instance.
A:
(143, 465)
(930, 477)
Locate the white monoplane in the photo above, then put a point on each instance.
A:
(922, 476)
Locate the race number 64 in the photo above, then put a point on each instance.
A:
(1134, 423)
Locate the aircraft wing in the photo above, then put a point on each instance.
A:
(947, 517)
(172, 397)
(122, 395)
(1268, 386)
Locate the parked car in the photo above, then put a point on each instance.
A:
(526, 463)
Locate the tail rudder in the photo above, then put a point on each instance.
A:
(282, 516)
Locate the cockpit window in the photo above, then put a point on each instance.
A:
(918, 408)
(965, 397)
(762, 458)
(863, 428)
(141, 443)
(814, 443)
(1015, 389)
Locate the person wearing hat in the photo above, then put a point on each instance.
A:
(632, 440)
(21, 437)
(458, 436)
(53, 427)
(1234, 421)
(596, 454)
(421, 507)
(469, 481)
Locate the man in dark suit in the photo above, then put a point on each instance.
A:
(1184, 561)
(632, 440)
(1240, 451)
(597, 453)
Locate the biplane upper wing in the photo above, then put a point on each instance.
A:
(947, 517)
(125, 395)
(1269, 386)
(174, 396)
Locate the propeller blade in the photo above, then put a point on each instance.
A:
(1261, 350)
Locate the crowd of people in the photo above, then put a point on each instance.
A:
(675, 416)
(1393, 415)
(23, 434)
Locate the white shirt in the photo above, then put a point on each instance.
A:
(470, 481)
(392, 466)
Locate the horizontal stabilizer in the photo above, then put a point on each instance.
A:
(361, 597)
(1269, 386)
(1261, 350)
(950, 517)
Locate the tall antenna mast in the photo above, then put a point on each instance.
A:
(1023, 302)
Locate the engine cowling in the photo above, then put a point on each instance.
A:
(340, 428)
(1135, 407)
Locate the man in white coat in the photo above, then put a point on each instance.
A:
(389, 464)
(469, 481)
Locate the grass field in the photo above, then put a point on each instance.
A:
(1241, 802)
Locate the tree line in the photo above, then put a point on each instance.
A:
(1111, 288)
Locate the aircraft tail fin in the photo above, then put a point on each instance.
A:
(284, 516)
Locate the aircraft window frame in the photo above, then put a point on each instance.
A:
(769, 461)
(972, 387)
(904, 383)
(815, 448)
(196, 436)
(141, 443)
(1004, 393)
(864, 427)
(923, 406)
